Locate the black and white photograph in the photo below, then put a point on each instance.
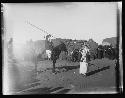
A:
(62, 48)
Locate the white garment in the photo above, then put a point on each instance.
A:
(83, 63)
(48, 52)
(83, 67)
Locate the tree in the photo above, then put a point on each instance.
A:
(93, 48)
(32, 55)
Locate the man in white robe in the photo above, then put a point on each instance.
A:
(83, 62)
(48, 46)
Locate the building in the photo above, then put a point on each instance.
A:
(110, 41)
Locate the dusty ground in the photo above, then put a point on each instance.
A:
(100, 77)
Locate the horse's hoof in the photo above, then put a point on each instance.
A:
(54, 73)
(64, 70)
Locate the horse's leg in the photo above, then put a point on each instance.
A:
(54, 61)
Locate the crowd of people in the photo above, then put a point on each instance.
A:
(101, 51)
(83, 54)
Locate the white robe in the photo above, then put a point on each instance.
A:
(83, 63)
(83, 67)
(48, 52)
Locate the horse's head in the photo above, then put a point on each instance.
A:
(63, 48)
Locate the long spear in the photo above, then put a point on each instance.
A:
(39, 29)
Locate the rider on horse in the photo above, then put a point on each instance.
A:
(48, 46)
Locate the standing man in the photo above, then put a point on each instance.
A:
(83, 62)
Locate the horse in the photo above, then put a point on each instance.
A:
(56, 52)
(76, 55)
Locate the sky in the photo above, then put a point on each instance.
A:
(71, 20)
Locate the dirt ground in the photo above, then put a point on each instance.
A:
(100, 77)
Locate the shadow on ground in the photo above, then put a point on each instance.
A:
(67, 68)
(45, 90)
(96, 71)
